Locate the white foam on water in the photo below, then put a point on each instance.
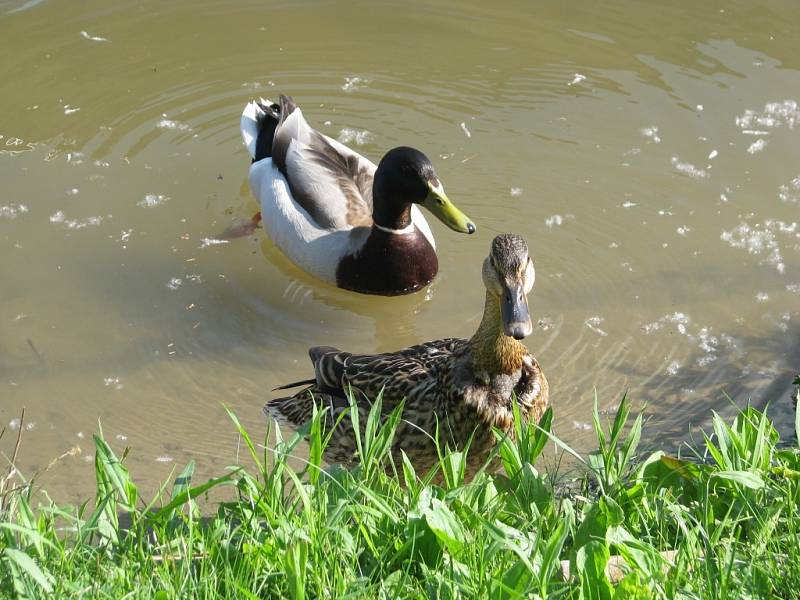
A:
(673, 367)
(465, 130)
(12, 211)
(356, 136)
(516, 192)
(60, 218)
(152, 200)
(713, 154)
(774, 115)
(708, 343)
(790, 192)
(761, 239)
(688, 168)
(793, 287)
(164, 459)
(593, 323)
(165, 123)
(556, 220)
(577, 78)
(704, 361)
(93, 38)
(628, 204)
(651, 133)
(683, 230)
(352, 84)
(679, 319)
(206, 242)
(757, 146)
(176, 282)
(762, 297)
(113, 382)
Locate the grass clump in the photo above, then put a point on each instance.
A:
(723, 525)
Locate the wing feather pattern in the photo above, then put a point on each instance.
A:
(332, 183)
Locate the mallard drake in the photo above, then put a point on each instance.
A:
(338, 216)
(466, 386)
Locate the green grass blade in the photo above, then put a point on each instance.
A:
(190, 494)
(25, 563)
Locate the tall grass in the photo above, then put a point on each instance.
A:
(655, 526)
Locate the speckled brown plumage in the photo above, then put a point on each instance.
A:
(466, 387)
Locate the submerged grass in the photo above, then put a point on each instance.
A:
(724, 525)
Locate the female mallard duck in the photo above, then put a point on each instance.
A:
(337, 215)
(463, 386)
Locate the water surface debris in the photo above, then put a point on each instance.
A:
(93, 38)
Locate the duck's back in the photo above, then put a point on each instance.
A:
(326, 179)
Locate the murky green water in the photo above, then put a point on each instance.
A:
(649, 154)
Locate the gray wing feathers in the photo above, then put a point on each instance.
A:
(329, 181)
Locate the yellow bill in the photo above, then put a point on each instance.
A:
(440, 206)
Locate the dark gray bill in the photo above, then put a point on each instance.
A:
(514, 311)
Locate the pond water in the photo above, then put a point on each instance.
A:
(648, 153)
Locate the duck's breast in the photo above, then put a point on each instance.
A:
(389, 264)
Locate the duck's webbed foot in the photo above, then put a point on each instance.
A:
(241, 228)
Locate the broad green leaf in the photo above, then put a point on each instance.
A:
(590, 563)
(745, 478)
(446, 526)
(684, 468)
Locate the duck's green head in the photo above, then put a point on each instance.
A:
(508, 274)
(406, 175)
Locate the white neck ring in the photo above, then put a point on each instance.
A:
(410, 228)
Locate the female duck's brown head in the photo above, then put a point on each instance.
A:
(508, 274)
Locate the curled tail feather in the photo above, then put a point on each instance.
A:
(258, 123)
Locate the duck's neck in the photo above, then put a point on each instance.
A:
(492, 350)
(390, 214)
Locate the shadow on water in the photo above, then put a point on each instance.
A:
(762, 377)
